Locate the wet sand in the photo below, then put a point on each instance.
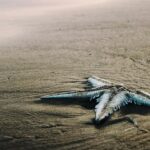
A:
(51, 46)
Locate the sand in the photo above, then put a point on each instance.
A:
(54, 45)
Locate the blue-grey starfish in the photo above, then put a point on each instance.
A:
(108, 96)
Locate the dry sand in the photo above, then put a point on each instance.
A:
(53, 45)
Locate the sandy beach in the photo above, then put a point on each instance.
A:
(48, 46)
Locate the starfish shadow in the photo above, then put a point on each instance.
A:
(126, 111)
(68, 101)
(135, 109)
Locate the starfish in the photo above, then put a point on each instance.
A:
(109, 97)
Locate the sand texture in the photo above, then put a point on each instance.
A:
(48, 46)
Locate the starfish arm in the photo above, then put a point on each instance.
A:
(98, 82)
(89, 95)
(111, 105)
(103, 100)
(139, 99)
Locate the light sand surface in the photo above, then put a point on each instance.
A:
(48, 46)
